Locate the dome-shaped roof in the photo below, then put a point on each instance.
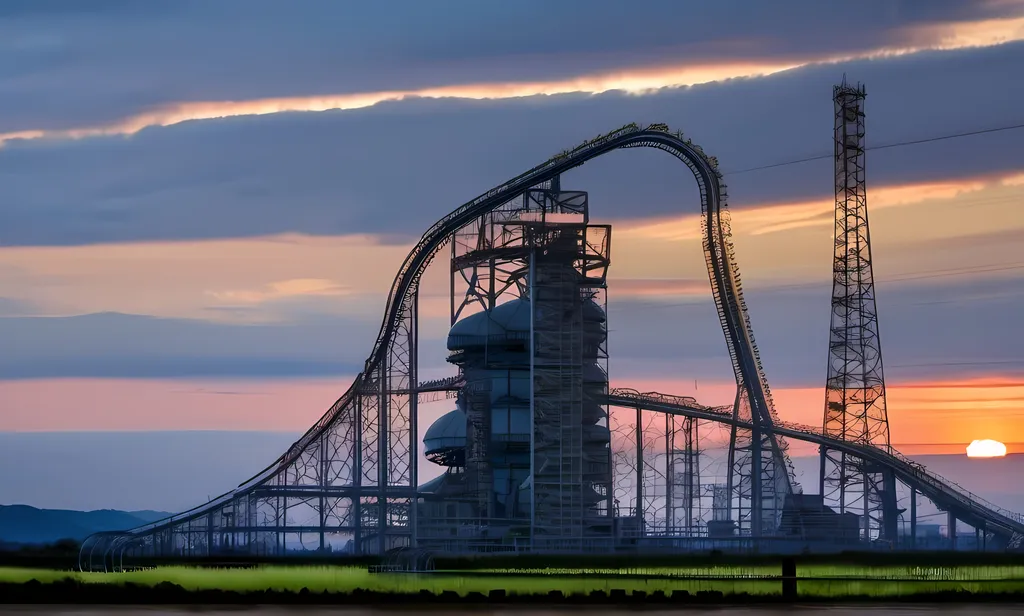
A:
(451, 425)
(472, 331)
(445, 440)
(513, 315)
(477, 329)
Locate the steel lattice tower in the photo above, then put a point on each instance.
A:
(855, 407)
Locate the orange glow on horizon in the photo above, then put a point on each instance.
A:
(976, 408)
(292, 405)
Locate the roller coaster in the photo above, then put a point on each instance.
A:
(353, 475)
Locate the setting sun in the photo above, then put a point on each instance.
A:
(986, 449)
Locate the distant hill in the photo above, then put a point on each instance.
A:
(28, 525)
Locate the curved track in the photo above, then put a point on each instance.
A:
(722, 269)
(726, 288)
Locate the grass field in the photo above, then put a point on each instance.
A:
(832, 580)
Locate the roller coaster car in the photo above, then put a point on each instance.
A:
(628, 128)
(659, 126)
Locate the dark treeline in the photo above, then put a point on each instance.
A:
(65, 556)
(62, 555)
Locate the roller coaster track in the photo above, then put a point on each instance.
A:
(968, 507)
(722, 269)
(727, 291)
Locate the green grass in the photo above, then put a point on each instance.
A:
(936, 573)
(342, 579)
(977, 579)
(960, 572)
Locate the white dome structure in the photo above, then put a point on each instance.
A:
(510, 320)
(445, 440)
(513, 315)
(473, 331)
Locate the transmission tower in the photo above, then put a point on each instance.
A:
(855, 388)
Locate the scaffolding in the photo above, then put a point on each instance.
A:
(571, 479)
(557, 366)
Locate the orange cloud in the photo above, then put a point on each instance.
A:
(637, 80)
(780, 217)
(1014, 180)
(117, 405)
(185, 279)
(279, 290)
(640, 287)
(985, 33)
(776, 217)
(129, 404)
(916, 228)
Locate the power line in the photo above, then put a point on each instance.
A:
(883, 147)
(907, 276)
(981, 269)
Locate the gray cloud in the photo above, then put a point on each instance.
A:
(118, 345)
(62, 65)
(173, 470)
(397, 167)
(931, 328)
(934, 328)
(10, 306)
(170, 470)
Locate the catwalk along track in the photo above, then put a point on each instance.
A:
(357, 466)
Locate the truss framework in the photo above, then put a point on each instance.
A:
(855, 408)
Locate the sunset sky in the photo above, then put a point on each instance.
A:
(203, 203)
